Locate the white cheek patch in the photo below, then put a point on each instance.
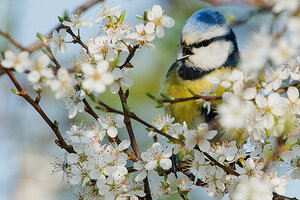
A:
(212, 56)
(190, 36)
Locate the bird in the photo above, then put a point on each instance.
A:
(207, 44)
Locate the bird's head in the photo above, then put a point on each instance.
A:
(207, 42)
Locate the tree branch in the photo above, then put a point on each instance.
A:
(7, 36)
(195, 97)
(132, 51)
(123, 97)
(60, 142)
(77, 39)
(280, 197)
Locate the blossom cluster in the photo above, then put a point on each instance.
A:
(98, 68)
(279, 44)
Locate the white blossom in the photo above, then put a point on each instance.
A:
(282, 52)
(40, 72)
(293, 96)
(221, 79)
(156, 155)
(97, 77)
(162, 122)
(274, 77)
(144, 33)
(226, 152)
(199, 137)
(79, 135)
(106, 13)
(160, 190)
(198, 164)
(253, 189)
(140, 166)
(77, 22)
(270, 107)
(62, 83)
(58, 39)
(111, 124)
(233, 112)
(19, 61)
(215, 177)
(74, 103)
(120, 79)
(278, 183)
(159, 20)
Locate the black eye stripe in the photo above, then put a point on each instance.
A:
(204, 43)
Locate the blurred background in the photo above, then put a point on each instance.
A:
(27, 146)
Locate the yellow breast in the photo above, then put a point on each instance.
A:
(189, 111)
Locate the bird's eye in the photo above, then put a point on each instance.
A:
(205, 43)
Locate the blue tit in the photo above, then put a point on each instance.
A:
(207, 44)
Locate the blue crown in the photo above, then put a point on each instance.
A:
(204, 19)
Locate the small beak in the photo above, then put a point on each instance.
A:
(182, 57)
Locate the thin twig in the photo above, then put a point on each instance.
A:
(280, 197)
(123, 97)
(195, 97)
(7, 36)
(147, 189)
(77, 39)
(60, 142)
(132, 51)
(215, 162)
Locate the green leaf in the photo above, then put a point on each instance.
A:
(159, 105)
(159, 169)
(61, 19)
(165, 96)
(56, 123)
(121, 18)
(115, 62)
(101, 108)
(268, 133)
(14, 91)
(40, 36)
(151, 96)
(191, 91)
(46, 52)
(139, 17)
(66, 15)
(145, 16)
